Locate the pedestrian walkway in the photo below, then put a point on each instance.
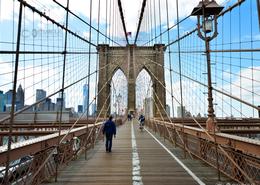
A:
(136, 158)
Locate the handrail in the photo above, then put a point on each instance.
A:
(246, 145)
(38, 144)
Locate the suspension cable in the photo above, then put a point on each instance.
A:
(122, 19)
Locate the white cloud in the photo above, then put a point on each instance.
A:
(6, 9)
(246, 84)
(86, 35)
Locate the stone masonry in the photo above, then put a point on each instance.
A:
(131, 60)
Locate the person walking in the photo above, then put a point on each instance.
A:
(141, 122)
(109, 130)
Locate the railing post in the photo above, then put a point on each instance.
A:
(175, 138)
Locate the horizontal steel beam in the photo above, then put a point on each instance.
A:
(28, 132)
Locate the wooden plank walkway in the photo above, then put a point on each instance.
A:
(121, 166)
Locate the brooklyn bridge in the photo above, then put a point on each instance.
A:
(191, 68)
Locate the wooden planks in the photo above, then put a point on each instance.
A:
(157, 166)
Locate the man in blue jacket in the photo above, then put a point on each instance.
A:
(109, 129)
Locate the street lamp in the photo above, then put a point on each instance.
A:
(206, 13)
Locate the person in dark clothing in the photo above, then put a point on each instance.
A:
(109, 130)
(141, 119)
(129, 116)
(141, 122)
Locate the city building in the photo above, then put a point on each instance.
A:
(40, 94)
(64, 98)
(59, 103)
(179, 111)
(48, 105)
(19, 98)
(8, 100)
(185, 112)
(85, 97)
(2, 101)
(94, 109)
(80, 108)
(72, 113)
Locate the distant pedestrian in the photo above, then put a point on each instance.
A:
(141, 122)
(109, 130)
(129, 117)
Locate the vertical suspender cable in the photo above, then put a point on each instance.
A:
(252, 55)
(63, 81)
(240, 58)
(122, 19)
(106, 21)
(160, 19)
(180, 71)
(230, 61)
(151, 20)
(6, 177)
(169, 54)
(89, 58)
(140, 20)
(154, 21)
(97, 55)
(110, 22)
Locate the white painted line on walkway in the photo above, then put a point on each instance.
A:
(178, 161)
(136, 171)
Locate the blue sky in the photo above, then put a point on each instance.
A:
(44, 71)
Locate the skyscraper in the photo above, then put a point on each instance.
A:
(80, 109)
(2, 101)
(40, 94)
(85, 97)
(94, 109)
(64, 98)
(48, 105)
(185, 113)
(19, 98)
(59, 103)
(8, 100)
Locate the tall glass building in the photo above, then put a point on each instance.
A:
(85, 97)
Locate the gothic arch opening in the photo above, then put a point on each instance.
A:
(143, 95)
(119, 93)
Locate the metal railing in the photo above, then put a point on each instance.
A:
(238, 157)
(27, 157)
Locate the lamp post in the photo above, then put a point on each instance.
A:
(206, 13)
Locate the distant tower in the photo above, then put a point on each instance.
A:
(8, 100)
(59, 103)
(40, 94)
(2, 101)
(94, 109)
(85, 97)
(19, 98)
(80, 109)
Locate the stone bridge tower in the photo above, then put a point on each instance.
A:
(131, 60)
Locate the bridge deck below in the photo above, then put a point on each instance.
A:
(157, 166)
